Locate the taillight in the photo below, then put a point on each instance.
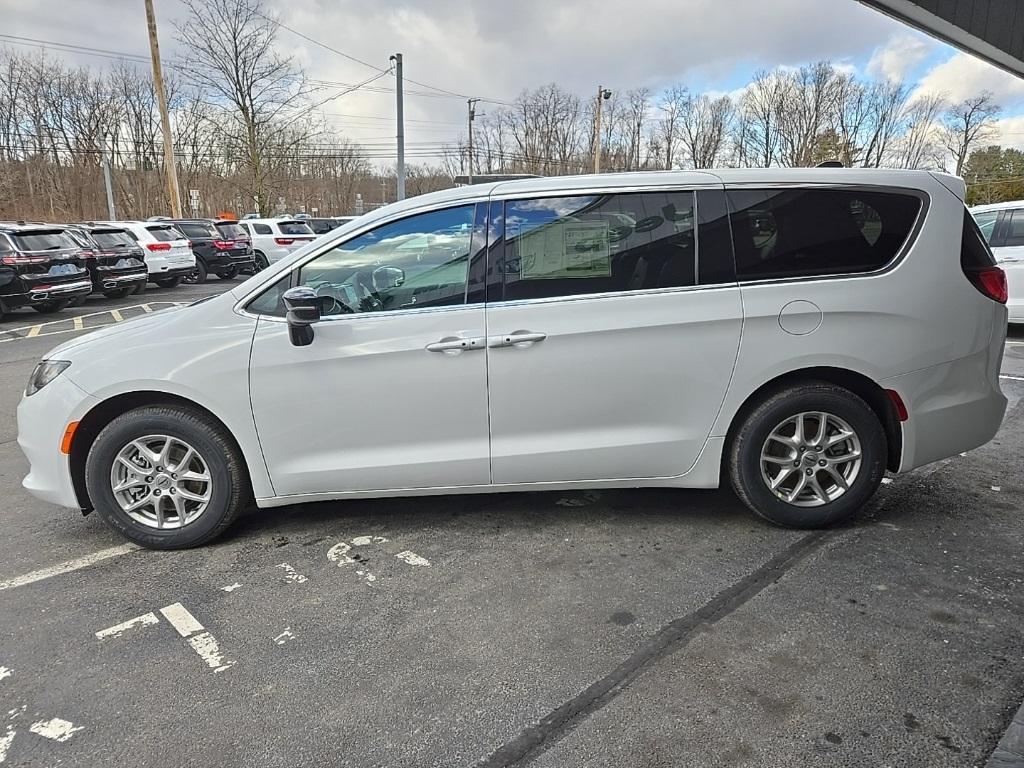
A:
(991, 281)
(284, 240)
(223, 245)
(16, 259)
(159, 246)
(85, 253)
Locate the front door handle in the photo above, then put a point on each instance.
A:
(516, 339)
(454, 344)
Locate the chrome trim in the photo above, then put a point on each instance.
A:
(367, 315)
(608, 190)
(613, 295)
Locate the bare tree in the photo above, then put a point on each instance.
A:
(704, 125)
(667, 128)
(761, 106)
(966, 124)
(918, 145)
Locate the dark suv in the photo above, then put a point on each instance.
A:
(221, 247)
(116, 263)
(40, 267)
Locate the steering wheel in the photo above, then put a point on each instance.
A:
(329, 303)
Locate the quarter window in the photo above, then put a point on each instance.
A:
(261, 229)
(807, 232)
(419, 261)
(569, 246)
(987, 223)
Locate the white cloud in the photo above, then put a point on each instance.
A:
(1009, 132)
(899, 56)
(963, 75)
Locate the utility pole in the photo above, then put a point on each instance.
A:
(472, 117)
(603, 94)
(105, 162)
(165, 121)
(400, 113)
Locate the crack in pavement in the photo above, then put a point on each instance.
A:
(539, 738)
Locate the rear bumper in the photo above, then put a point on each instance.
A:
(43, 292)
(105, 281)
(223, 260)
(168, 273)
(953, 408)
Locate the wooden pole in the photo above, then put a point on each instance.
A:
(173, 195)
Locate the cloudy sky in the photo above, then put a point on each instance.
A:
(494, 50)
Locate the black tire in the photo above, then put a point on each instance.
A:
(117, 293)
(49, 307)
(228, 274)
(259, 262)
(227, 472)
(198, 275)
(169, 282)
(79, 301)
(140, 288)
(744, 456)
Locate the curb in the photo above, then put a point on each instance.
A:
(1009, 752)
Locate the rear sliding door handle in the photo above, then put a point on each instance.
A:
(516, 339)
(454, 344)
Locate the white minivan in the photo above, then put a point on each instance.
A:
(168, 253)
(795, 333)
(1003, 227)
(273, 239)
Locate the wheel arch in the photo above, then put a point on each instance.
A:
(107, 410)
(862, 386)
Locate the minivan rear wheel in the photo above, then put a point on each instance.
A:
(165, 477)
(808, 456)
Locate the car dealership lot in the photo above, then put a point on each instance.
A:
(651, 627)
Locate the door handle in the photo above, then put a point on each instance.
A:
(455, 344)
(515, 339)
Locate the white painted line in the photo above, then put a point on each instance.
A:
(996, 488)
(181, 619)
(117, 629)
(1014, 343)
(206, 646)
(1013, 378)
(33, 331)
(412, 558)
(5, 672)
(230, 587)
(285, 636)
(5, 742)
(362, 541)
(67, 567)
(146, 308)
(290, 574)
(56, 729)
(339, 554)
(116, 314)
(79, 322)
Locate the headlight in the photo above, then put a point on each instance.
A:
(45, 372)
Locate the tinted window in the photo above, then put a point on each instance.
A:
(164, 234)
(231, 231)
(80, 238)
(198, 231)
(112, 238)
(804, 232)
(974, 251)
(261, 229)
(1014, 228)
(271, 301)
(42, 241)
(569, 246)
(419, 261)
(987, 223)
(293, 228)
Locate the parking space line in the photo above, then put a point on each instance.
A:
(117, 629)
(33, 331)
(1012, 378)
(146, 308)
(79, 322)
(116, 314)
(181, 619)
(202, 642)
(69, 566)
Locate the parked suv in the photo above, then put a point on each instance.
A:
(169, 256)
(273, 239)
(40, 267)
(792, 332)
(1003, 227)
(223, 255)
(115, 261)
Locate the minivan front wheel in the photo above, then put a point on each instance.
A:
(808, 456)
(165, 477)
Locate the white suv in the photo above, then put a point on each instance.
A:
(793, 332)
(168, 252)
(273, 239)
(1003, 227)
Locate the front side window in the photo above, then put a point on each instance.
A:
(792, 232)
(569, 246)
(987, 223)
(420, 261)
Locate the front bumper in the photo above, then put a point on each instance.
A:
(42, 420)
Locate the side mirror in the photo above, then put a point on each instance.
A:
(303, 307)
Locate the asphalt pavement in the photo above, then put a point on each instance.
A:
(620, 628)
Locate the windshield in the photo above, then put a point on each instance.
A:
(42, 241)
(231, 231)
(112, 238)
(294, 228)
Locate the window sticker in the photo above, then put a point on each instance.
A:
(564, 249)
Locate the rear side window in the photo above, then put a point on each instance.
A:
(164, 234)
(261, 229)
(42, 241)
(567, 246)
(198, 231)
(782, 233)
(293, 228)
